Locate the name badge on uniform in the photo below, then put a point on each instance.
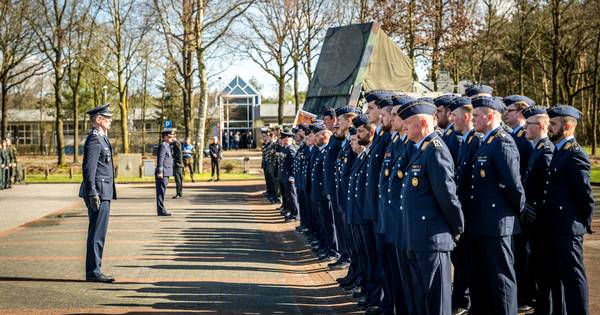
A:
(415, 182)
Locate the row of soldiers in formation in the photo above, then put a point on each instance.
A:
(496, 187)
(8, 164)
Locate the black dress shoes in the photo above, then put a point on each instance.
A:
(101, 278)
(165, 214)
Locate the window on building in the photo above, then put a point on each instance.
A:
(25, 133)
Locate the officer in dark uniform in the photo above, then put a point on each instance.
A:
(287, 175)
(568, 210)
(462, 114)
(355, 202)
(344, 117)
(536, 130)
(431, 213)
(515, 104)
(497, 198)
(97, 189)
(387, 220)
(376, 100)
(299, 172)
(3, 162)
(449, 134)
(264, 162)
(177, 167)
(164, 169)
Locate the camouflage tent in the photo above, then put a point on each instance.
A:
(355, 58)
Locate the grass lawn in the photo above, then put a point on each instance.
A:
(64, 178)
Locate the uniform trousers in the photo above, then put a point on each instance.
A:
(97, 227)
(430, 280)
(161, 188)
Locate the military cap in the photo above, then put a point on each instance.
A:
(417, 107)
(286, 134)
(329, 112)
(444, 100)
(400, 101)
(168, 131)
(264, 130)
(564, 110)
(295, 130)
(489, 102)
(276, 127)
(362, 119)
(103, 110)
(501, 100)
(347, 109)
(316, 127)
(304, 128)
(384, 102)
(426, 99)
(482, 90)
(459, 102)
(375, 95)
(511, 99)
(534, 110)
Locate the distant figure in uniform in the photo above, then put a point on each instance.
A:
(188, 152)
(569, 208)
(164, 169)
(178, 167)
(13, 171)
(4, 161)
(216, 154)
(97, 189)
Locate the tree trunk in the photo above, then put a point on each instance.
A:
(555, 43)
(411, 38)
(58, 123)
(124, 117)
(595, 95)
(4, 127)
(296, 96)
(188, 8)
(437, 37)
(76, 125)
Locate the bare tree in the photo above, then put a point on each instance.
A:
(213, 21)
(17, 51)
(129, 25)
(51, 24)
(78, 43)
(179, 42)
(266, 43)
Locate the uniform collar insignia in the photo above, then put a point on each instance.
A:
(449, 131)
(470, 138)
(98, 132)
(490, 139)
(568, 145)
(520, 133)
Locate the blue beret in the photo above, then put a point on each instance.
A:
(100, 110)
(459, 102)
(444, 100)
(534, 110)
(479, 89)
(362, 119)
(352, 130)
(329, 112)
(489, 102)
(372, 96)
(316, 127)
(511, 99)
(384, 102)
(564, 110)
(417, 107)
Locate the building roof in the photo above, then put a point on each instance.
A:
(239, 87)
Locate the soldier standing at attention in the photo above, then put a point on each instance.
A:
(97, 190)
(3, 163)
(178, 167)
(164, 169)
(496, 201)
(431, 213)
(569, 205)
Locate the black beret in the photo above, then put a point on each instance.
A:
(329, 112)
(347, 109)
(316, 127)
